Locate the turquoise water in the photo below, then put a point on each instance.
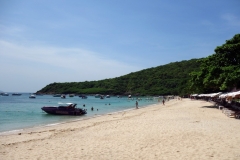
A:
(19, 112)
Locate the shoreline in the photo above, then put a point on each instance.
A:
(39, 118)
(186, 129)
(16, 131)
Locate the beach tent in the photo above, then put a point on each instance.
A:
(210, 94)
(230, 95)
(237, 94)
(215, 94)
(223, 95)
(201, 95)
(234, 94)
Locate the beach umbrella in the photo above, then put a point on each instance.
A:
(201, 95)
(236, 94)
(231, 94)
(223, 95)
(215, 94)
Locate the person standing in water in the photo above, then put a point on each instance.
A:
(136, 104)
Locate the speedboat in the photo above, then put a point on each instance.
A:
(32, 96)
(65, 109)
(5, 94)
(57, 95)
(16, 94)
(83, 96)
(97, 96)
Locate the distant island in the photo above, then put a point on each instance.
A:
(217, 72)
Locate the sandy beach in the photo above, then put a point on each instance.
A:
(182, 129)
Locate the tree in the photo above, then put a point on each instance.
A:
(220, 71)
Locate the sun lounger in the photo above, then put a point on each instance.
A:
(231, 112)
(237, 115)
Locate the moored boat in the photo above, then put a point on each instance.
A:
(32, 96)
(57, 95)
(83, 96)
(5, 94)
(67, 109)
(97, 96)
(16, 94)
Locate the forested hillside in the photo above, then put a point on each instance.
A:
(167, 79)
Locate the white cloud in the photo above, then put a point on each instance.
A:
(44, 64)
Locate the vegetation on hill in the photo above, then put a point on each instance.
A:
(217, 72)
(169, 79)
(220, 71)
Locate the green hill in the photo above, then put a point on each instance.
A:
(217, 72)
(169, 79)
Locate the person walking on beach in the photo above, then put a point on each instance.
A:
(163, 102)
(136, 104)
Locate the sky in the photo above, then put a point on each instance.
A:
(43, 42)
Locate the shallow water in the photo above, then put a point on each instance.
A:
(18, 112)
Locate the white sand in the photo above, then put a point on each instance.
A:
(179, 130)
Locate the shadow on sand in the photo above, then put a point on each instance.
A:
(211, 106)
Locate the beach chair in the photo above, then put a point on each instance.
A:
(237, 115)
(230, 113)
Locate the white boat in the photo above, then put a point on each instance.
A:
(97, 96)
(5, 94)
(57, 95)
(32, 96)
(16, 94)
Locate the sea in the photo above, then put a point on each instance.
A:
(21, 112)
